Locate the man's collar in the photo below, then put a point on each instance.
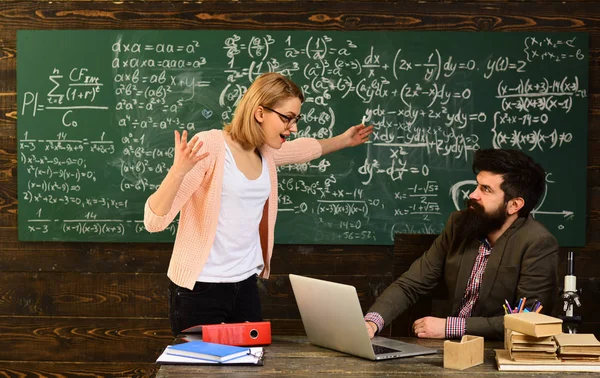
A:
(486, 243)
(516, 224)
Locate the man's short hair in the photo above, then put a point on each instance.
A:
(522, 177)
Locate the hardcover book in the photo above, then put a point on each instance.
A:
(208, 351)
(533, 324)
(578, 344)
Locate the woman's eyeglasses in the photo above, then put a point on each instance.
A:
(290, 121)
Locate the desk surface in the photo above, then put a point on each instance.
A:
(295, 356)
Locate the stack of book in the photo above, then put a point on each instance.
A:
(532, 340)
(529, 336)
(522, 347)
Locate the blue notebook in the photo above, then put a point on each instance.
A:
(208, 351)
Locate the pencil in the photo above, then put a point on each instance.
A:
(505, 309)
(539, 308)
(509, 308)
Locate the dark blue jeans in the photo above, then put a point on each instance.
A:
(213, 303)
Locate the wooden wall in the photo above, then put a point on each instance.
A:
(100, 309)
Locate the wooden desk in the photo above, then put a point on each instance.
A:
(294, 356)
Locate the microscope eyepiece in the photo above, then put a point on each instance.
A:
(570, 264)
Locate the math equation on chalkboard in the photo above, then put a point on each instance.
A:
(97, 110)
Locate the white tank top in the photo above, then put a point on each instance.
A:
(236, 253)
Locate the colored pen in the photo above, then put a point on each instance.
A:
(518, 308)
(505, 309)
(539, 308)
(522, 304)
(509, 308)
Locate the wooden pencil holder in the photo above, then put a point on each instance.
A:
(464, 354)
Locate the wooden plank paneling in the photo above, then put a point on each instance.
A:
(38, 338)
(287, 327)
(382, 2)
(509, 15)
(278, 300)
(8, 204)
(331, 260)
(94, 302)
(78, 369)
(141, 295)
(83, 295)
(8, 158)
(586, 263)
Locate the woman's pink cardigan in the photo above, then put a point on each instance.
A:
(199, 197)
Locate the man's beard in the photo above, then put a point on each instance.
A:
(476, 223)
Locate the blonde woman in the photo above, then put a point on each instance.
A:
(224, 184)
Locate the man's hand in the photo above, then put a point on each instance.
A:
(372, 328)
(430, 328)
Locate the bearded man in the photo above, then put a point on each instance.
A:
(492, 251)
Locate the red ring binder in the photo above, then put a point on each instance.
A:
(239, 334)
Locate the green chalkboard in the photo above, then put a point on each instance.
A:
(97, 110)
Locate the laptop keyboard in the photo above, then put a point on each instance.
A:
(378, 349)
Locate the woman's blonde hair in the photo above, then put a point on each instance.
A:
(267, 90)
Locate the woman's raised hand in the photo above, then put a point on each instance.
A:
(186, 153)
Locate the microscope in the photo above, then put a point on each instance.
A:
(570, 297)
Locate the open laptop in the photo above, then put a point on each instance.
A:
(333, 319)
